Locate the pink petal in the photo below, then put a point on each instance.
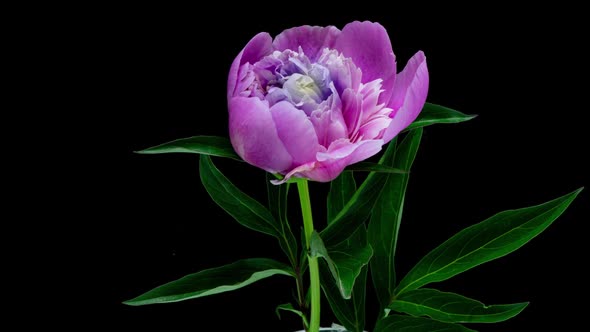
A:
(368, 45)
(351, 152)
(365, 149)
(370, 92)
(294, 172)
(329, 125)
(340, 154)
(339, 149)
(257, 48)
(409, 95)
(254, 135)
(311, 39)
(296, 132)
(374, 127)
(352, 110)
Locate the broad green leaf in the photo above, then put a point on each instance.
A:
(207, 145)
(399, 323)
(245, 210)
(495, 237)
(277, 203)
(358, 208)
(289, 307)
(432, 114)
(365, 166)
(341, 190)
(350, 313)
(386, 219)
(453, 308)
(213, 281)
(344, 260)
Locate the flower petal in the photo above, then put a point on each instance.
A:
(352, 110)
(368, 45)
(296, 132)
(328, 121)
(311, 39)
(295, 172)
(341, 154)
(352, 152)
(257, 47)
(254, 135)
(375, 127)
(409, 95)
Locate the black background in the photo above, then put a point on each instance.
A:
(152, 74)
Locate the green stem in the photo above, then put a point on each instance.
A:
(314, 273)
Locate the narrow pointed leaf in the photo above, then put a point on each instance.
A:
(341, 190)
(245, 210)
(345, 261)
(433, 114)
(398, 323)
(386, 219)
(213, 281)
(365, 166)
(207, 145)
(495, 237)
(350, 313)
(358, 208)
(277, 202)
(453, 308)
(289, 307)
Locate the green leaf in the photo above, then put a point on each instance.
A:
(432, 114)
(213, 281)
(365, 166)
(244, 209)
(386, 219)
(341, 190)
(399, 323)
(277, 202)
(207, 145)
(453, 308)
(358, 208)
(350, 313)
(344, 260)
(289, 307)
(495, 237)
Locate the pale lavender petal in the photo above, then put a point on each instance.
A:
(296, 132)
(245, 85)
(311, 39)
(257, 47)
(410, 90)
(344, 73)
(368, 45)
(254, 135)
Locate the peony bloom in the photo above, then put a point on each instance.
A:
(316, 99)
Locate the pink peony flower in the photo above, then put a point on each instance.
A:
(316, 99)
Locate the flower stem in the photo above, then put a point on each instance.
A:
(314, 274)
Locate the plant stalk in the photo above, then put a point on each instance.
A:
(314, 273)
